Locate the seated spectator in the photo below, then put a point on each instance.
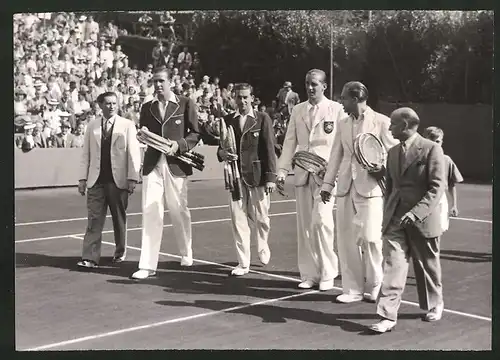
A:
(39, 138)
(77, 139)
(20, 102)
(25, 142)
(64, 138)
(81, 106)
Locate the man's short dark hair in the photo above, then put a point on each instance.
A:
(243, 86)
(355, 89)
(161, 69)
(101, 97)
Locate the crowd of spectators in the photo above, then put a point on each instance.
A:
(63, 61)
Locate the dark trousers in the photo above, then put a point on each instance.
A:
(99, 198)
(398, 246)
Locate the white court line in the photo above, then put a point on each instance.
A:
(235, 308)
(470, 219)
(479, 317)
(132, 214)
(165, 322)
(138, 228)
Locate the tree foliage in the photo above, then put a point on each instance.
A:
(409, 55)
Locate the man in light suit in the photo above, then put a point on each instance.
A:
(359, 198)
(312, 128)
(256, 160)
(165, 177)
(109, 169)
(287, 99)
(412, 221)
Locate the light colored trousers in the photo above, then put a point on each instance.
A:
(399, 245)
(250, 216)
(158, 186)
(445, 221)
(315, 235)
(359, 242)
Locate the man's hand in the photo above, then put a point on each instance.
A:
(82, 186)
(325, 196)
(173, 147)
(131, 186)
(377, 172)
(407, 219)
(227, 156)
(270, 187)
(454, 211)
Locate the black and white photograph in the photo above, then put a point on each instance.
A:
(253, 180)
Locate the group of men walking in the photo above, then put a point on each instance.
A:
(375, 234)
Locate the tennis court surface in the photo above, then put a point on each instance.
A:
(60, 307)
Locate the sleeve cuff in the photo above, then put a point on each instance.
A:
(270, 177)
(327, 187)
(282, 173)
(183, 146)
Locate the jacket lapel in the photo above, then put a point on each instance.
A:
(249, 123)
(155, 111)
(368, 121)
(171, 109)
(305, 117)
(412, 153)
(117, 129)
(320, 115)
(98, 131)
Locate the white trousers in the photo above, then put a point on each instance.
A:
(160, 185)
(317, 260)
(250, 218)
(445, 221)
(359, 242)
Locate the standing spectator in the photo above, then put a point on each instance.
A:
(287, 99)
(91, 29)
(107, 57)
(184, 60)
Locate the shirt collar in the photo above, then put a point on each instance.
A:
(410, 140)
(309, 105)
(361, 116)
(251, 113)
(171, 98)
(111, 120)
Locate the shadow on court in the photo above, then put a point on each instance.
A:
(466, 256)
(280, 314)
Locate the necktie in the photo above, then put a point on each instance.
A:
(312, 114)
(402, 155)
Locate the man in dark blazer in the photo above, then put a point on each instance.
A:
(411, 225)
(173, 117)
(256, 160)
